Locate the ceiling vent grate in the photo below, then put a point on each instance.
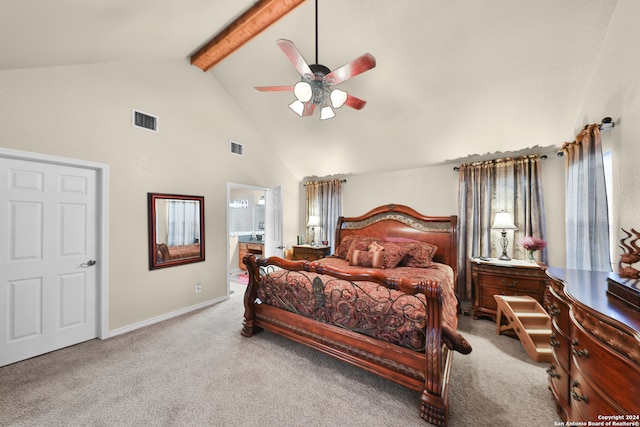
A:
(236, 148)
(145, 121)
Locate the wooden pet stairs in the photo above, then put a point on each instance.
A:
(529, 320)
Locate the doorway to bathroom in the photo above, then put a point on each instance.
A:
(254, 226)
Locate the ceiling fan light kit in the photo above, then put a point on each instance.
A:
(316, 86)
(297, 107)
(326, 113)
(338, 98)
(302, 90)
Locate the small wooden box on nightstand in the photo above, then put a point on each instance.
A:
(309, 252)
(492, 276)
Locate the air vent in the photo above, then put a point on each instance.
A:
(236, 148)
(145, 121)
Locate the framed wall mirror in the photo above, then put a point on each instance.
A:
(176, 229)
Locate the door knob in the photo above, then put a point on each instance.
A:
(88, 263)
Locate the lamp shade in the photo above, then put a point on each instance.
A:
(314, 221)
(303, 91)
(297, 107)
(338, 98)
(326, 113)
(503, 221)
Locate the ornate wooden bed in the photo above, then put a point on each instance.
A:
(399, 323)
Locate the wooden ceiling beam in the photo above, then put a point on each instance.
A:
(256, 19)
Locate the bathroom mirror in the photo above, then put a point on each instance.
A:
(176, 229)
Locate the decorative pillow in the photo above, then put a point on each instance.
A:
(393, 254)
(359, 244)
(343, 248)
(367, 258)
(419, 254)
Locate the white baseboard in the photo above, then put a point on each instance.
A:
(163, 317)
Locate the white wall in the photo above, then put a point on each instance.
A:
(84, 112)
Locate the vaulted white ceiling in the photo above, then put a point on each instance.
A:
(454, 80)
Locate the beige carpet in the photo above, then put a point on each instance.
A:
(196, 370)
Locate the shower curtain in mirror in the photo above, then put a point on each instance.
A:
(484, 188)
(324, 199)
(183, 222)
(587, 220)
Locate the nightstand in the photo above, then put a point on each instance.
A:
(310, 253)
(495, 277)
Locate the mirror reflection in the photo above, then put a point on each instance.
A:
(176, 229)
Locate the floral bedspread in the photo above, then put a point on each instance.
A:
(365, 307)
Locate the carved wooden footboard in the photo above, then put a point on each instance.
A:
(426, 371)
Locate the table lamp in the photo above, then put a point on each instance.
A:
(504, 222)
(314, 221)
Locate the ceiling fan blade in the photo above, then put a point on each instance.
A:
(309, 107)
(274, 88)
(295, 57)
(354, 102)
(352, 69)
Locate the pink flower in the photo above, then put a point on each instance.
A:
(532, 243)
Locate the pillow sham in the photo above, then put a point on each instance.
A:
(419, 254)
(393, 254)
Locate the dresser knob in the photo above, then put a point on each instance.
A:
(551, 371)
(511, 285)
(576, 352)
(576, 396)
(553, 341)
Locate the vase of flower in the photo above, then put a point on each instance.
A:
(532, 244)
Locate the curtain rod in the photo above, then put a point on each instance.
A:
(342, 181)
(457, 168)
(607, 123)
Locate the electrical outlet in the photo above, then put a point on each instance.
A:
(198, 288)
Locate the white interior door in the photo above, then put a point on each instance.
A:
(48, 282)
(273, 217)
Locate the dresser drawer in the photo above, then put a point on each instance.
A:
(310, 253)
(513, 283)
(617, 379)
(559, 384)
(559, 312)
(587, 402)
(561, 347)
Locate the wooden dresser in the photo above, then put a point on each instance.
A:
(512, 278)
(595, 370)
(245, 248)
(309, 252)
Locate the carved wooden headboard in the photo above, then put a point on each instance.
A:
(402, 222)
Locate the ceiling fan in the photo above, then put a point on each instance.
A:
(316, 88)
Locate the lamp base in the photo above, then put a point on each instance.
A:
(504, 242)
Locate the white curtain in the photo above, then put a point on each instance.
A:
(587, 220)
(183, 219)
(324, 199)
